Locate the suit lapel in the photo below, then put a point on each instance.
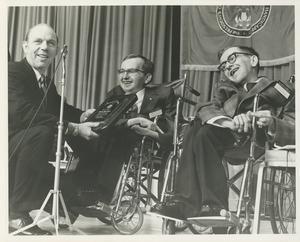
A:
(260, 86)
(32, 83)
(149, 101)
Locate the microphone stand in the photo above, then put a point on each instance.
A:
(57, 195)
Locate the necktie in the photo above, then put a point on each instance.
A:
(43, 85)
(132, 112)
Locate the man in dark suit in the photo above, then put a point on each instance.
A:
(33, 125)
(116, 146)
(224, 124)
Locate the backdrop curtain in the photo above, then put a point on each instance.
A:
(98, 38)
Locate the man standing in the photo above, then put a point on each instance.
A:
(33, 125)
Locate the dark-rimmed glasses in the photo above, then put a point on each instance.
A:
(231, 59)
(131, 71)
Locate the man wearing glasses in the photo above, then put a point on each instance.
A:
(225, 124)
(115, 147)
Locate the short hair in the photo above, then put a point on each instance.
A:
(246, 49)
(40, 24)
(148, 65)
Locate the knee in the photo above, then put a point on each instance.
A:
(42, 135)
(204, 133)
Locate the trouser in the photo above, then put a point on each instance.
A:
(30, 174)
(201, 177)
(116, 148)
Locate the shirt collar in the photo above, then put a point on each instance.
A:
(37, 74)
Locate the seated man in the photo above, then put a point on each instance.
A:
(32, 127)
(224, 123)
(115, 147)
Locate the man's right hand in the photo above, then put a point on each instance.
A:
(83, 130)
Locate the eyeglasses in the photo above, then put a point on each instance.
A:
(131, 71)
(231, 59)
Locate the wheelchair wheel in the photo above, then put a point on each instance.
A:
(282, 201)
(196, 229)
(168, 226)
(128, 219)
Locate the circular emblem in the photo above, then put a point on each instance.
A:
(242, 21)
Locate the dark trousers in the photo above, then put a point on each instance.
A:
(201, 177)
(30, 174)
(31, 177)
(115, 149)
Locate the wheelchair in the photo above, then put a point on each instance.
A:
(135, 183)
(280, 198)
(133, 194)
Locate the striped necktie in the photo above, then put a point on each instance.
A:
(43, 85)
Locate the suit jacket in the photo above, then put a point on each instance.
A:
(230, 100)
(24, 97)
(158, 98)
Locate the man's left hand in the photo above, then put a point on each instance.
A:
(86, 114)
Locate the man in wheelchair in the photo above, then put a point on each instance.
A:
(114, 147)
(224, 124)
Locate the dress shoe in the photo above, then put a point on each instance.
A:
(99, 209)
(16, 224)
(210, 210)
(171, 209)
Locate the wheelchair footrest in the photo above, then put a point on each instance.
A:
(228, 220)
(165, 217)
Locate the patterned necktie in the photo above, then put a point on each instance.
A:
(43, 85)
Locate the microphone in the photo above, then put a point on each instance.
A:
(192, 90)
(64, 50)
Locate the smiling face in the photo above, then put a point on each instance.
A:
(134, 81)
(242, 69)
(40, 47)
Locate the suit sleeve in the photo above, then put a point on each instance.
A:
(224, 92)
(284, 126)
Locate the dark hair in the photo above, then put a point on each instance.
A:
(148, 65)
(28, 32)
(247, 49)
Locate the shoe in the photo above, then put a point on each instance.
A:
(16, 224)
(171, 209)
(98, 210)
(210, 210)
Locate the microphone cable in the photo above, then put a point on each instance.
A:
(41, 103)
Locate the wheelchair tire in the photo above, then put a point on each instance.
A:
(168, 226)
(128, 219)
(282, 200)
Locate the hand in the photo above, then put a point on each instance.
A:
(86, 132)
(144, 131)
(264, 118)
(86, 114)
(242, 122)
(145, 123)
